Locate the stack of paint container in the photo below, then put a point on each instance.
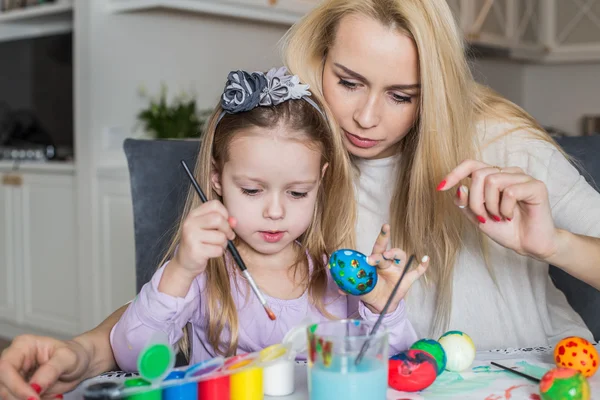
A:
(242, 377)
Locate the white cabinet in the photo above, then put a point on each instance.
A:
(116, 241)
(276, 11)
(38, 243)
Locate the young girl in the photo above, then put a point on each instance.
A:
(282, 184)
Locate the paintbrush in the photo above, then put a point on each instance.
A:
(233, 250)
(532, 378)
(365, 345)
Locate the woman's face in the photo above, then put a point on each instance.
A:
(371, 83)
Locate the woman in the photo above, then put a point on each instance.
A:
(394, 75)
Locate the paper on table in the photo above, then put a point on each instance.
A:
(483, 381)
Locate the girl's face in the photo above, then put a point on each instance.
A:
(371, 83)
(269, 184)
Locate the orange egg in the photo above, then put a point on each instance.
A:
(577, 353)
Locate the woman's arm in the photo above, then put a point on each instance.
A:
(577, 255)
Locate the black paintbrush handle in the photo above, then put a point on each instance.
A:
(532, 378)
(235, 254)
(383, 312)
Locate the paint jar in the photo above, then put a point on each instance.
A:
(102, 391)
(212, 385)
(333, 347)
(174, 390)
(141, 389)
(278, 370)
(156, 359)
(246, 377)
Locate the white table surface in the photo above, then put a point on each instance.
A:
(451, 385)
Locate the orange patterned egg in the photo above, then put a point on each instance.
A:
(577, 353)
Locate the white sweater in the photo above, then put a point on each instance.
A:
(524, 309)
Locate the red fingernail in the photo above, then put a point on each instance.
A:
(31, 398)
(231, 221)
(481, 219)
(36, 387)
(458, 192)
(496, 218)
(509, 219)
(59, 396)
(441, 185)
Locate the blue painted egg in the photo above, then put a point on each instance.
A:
(351, 272)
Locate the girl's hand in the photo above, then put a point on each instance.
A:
(509, 206)
(390, 265)
(204, 235)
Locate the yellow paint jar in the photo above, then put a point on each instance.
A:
(246, 379)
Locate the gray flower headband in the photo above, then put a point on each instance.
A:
(245, 91)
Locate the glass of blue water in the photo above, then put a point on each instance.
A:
(333, 373)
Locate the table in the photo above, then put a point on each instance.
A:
(482, 382)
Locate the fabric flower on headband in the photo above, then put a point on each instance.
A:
(245, 91)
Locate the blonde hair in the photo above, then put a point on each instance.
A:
(423, 221)
(332, 225)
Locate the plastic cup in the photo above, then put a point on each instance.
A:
(333, 347)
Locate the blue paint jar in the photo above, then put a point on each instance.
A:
(184, 391)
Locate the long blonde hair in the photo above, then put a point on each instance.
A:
(423, 221)
(332, 225)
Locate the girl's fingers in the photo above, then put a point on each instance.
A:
(214, 221)
(414, 274)
(382, 241)
(387, 258)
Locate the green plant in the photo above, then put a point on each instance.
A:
(176, 119)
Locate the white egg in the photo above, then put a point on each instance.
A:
(460, 350)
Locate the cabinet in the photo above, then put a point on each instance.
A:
(275, 11)
(549, 31)
(38, 251)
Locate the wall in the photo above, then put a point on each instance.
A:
(559, 95)
(506, 77)
(187, 52)
(556, 95)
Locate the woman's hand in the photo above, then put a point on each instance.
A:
(509, 206)
(41, 367)
(390, 264)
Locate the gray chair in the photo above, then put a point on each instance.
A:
(581, 296)
(159, 187)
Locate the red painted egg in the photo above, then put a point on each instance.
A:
(411, 371)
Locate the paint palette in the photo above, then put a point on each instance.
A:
(351, 272)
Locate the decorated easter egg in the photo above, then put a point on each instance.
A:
(460, 350)
(351, 272)
(411, 370)
(564, 384)
(577, 353)
(434, 349)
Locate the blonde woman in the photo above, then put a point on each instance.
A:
(394, 75)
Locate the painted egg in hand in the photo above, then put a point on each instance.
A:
(577, 353)
(411, 371)
(351, 272)
(564, 384)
